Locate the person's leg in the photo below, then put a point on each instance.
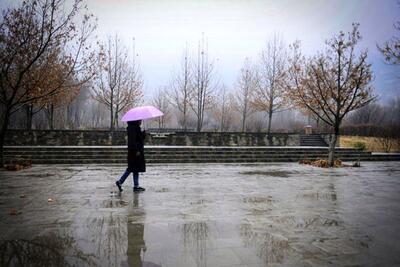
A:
(124, 176)
(122, 179)
(136, 186)
(135, 179)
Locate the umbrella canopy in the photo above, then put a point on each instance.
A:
(142, 113)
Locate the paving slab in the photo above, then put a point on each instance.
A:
(275, 214)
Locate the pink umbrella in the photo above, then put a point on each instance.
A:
(142, 113)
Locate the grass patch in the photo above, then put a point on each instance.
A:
(372, 144)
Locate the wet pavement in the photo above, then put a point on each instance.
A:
(202, 215)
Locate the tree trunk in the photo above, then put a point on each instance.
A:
(3, 132)
(111, 119)
(199, 123)
(269, 122)
(52, 117)
(184, 122)
(269, 137)
(222, 124)
(69, 121)
(332, 145)
(29, 116)
(116, 118)
(243, 122)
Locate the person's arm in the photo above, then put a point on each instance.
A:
(137, 134)
(132, 140)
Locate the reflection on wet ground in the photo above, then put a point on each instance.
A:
(273, 173)
(202, 215)
(50, 249)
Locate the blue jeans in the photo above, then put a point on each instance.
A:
(126, 174)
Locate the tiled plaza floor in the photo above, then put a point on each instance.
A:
(202, 215)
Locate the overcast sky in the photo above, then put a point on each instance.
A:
(236, 29)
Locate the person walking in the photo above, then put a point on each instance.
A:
(136, 160)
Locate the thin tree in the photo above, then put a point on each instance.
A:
(34, 37)
(203, 84)
(30, 111)
(118, 83)
(270, 90)
(372, 114)
(64, 98)
(181, 93)
(55, 77)
(246, 85)
(391, 48)
(223, 110)
(161, 101)
(333, 83)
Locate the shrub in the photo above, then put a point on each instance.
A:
(322, 163)
(360, 145)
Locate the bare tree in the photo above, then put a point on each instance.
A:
(334, 82)
(246, 85)
(372, 113)
(182, 92)
(35, 37)
(75, 110)
(118, 83)
(386, 138)
(223, 110)
(160, 100)
(30, 111)
(256, 123)
(389, 123)
(62, 97)
(391, 48)
(269, 93)
(203, 84)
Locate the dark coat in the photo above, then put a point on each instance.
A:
(136, 144)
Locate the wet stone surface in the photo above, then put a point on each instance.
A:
(202, 215)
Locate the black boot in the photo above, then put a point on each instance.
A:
(119, 186)
(138, 189)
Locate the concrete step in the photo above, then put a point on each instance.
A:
(172, 153)
(183, 155)
(183, 158)
(154, 154)
(199, 160)
(178, 149)
(167, 150)
(193, 156)
(312, 140)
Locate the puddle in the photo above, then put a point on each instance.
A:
(199, 202)
(40, 175)
(258, 200)
(270, 247)
(47, 250)
(162, 190)
(283, 174)
(111, 203)
(306, 222)
(259, 212)
(318, 196)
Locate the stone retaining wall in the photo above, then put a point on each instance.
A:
(98, 138)
(101, 138)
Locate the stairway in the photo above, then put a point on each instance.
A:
(181, 154)
(312, 140)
